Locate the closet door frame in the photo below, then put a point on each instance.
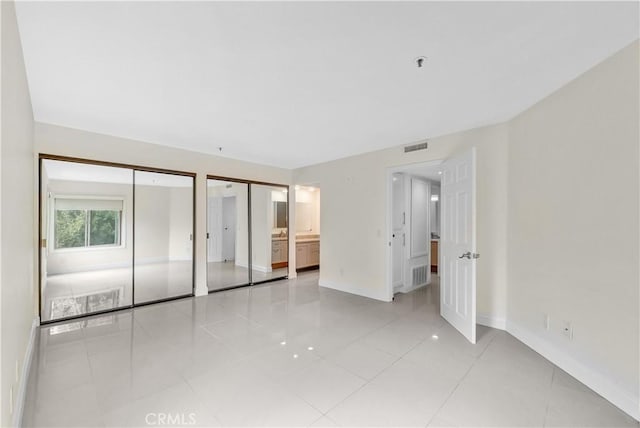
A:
(250, 250)
(45, 156)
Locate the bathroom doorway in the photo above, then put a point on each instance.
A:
(307, 237)
(421, 235)
(415, 229)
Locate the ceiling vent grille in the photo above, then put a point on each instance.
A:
(415, 147)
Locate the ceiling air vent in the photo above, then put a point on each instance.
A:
(415, 147)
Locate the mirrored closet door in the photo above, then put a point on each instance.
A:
(247, 232)
(269, 232)
(163, 236)
(86, 221)
(112, 236)
(227, 234)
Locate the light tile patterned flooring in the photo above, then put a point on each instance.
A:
(291, 353)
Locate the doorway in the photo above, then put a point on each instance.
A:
(307, 227)
(431, 231)
(413, 231)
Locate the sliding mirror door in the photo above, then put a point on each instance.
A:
(269, 232)
(86, 238)
(227, 234)
(163, 236)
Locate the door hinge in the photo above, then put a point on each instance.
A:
(43, 243)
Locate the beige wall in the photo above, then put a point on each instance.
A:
(18, 249)
(58, 140)
(353, 254)
(573, 224)
(558, 186)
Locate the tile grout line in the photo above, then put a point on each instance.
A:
(476, 359)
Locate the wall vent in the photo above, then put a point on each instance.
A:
(415, 147)
(419, 275)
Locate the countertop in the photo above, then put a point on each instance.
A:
(303, 240)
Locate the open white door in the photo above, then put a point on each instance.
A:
(458, 243)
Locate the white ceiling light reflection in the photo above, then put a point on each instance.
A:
(310, 348)
(295, 355)
(434, 337)
(284, 342)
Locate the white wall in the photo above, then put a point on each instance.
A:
(354, 247)
(573, 226)
(18, 222)
(434, 208)
(180, 223)
(239, 190)
(58, 140)
(261, 227)
(152, 224)
(307, 212)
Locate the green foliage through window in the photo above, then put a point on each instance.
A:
(104, 227)
(86, 228)
(70, 228)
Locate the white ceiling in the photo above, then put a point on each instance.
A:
(72, 171)
(297, 83)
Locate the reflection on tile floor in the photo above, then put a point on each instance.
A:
(228, 274)
(290, 353)
(78, 293)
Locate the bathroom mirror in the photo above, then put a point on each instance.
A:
(279, 215)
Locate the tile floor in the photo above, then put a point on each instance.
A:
(291, 353)
(228, 274)
(78, 293)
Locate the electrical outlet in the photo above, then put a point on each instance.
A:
(567, 330)
(547, 321)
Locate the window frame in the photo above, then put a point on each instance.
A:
(51, 224)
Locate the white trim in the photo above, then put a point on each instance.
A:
(591, 376)
(263, 269)
(24, 376)
(405, 290)
(364, 292)
(491, 321)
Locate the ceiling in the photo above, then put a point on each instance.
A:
(73, 171)
(297, 83)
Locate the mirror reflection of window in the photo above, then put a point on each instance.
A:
(86, 252)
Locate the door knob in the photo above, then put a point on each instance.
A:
(469, 255)
(466, 255)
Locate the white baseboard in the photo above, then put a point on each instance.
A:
(405, 289)
(21, 395)
(372, 294)
(590, 376)
(490, 321)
